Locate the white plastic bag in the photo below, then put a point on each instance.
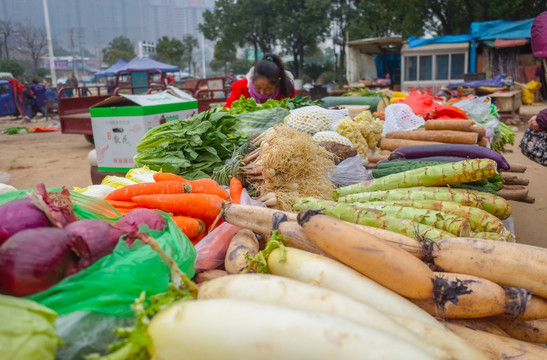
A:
(479, 110)
(400, 117)
(349, 171)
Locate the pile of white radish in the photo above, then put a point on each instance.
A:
(458, 298)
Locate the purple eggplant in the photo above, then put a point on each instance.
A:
(459, 150)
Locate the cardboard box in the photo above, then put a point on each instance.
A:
(119, 122)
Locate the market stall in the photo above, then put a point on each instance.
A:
(323, 230)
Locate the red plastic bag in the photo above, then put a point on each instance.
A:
(420, 103)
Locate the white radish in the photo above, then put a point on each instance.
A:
(237, 329)
(283, 291)
(331, 274)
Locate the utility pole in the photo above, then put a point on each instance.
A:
(204, 69)
(50, 46)
(74, 67)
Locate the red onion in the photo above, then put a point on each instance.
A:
(130, 222)
(100, 236)
(20, 214)
(56, 205)
(33, 260)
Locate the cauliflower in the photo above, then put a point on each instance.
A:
(370, 128)
(349, 128)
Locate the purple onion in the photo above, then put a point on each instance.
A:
(101, 237)
(33, 260)
(130, 222)
(20, 214)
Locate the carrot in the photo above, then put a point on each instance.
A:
(126, 193)
(235, 191)
(205, 186)
(161, 176)
(195, 240)
(190, 226)
(122, 204)
(444, 136)
(201, 206)
(125, 211)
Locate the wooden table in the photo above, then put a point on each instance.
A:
(507, 102)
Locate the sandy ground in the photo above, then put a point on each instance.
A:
(57, 159)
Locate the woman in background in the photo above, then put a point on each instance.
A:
(267, 80)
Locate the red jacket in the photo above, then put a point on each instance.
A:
(241, 87)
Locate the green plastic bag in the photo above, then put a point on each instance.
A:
(112, 284)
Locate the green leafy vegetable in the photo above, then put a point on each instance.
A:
(27, 330)
(249, 105)
(13, 130)
(192, 148)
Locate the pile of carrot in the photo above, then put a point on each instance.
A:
(437, 131)
(194, 205)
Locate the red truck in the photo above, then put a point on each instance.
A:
(73, 105)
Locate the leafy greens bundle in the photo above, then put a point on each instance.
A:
(192, 148)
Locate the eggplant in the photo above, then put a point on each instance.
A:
(430, 158)
(459, 150)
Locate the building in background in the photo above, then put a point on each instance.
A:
(89, 25)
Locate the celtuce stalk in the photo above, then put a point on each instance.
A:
(479, 219)
(372, 217)
(444, 174)
(418, 193)
(440, 220)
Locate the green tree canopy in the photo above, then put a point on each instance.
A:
(301, 26)
(119, 48)
(170, 50)
(13, 67)
(243, 22)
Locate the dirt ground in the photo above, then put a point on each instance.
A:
(56, 159)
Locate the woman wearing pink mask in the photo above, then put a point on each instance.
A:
(267, 80)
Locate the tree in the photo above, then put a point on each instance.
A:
(243, 22)
(32, 42)
(455, 17)
(189, 43)
(170, 50)
(119, 48)
(300, 26)
(224, 54)
(8, 30)
(12, 66)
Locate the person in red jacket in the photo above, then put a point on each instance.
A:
(267, 80)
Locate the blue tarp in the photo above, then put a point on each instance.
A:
(148, 64)
(498, 81)
(111, 71)
(486, 30)
(500, 29)
(414, 41)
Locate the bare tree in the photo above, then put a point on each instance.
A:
(33, 43)
(8, 31)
